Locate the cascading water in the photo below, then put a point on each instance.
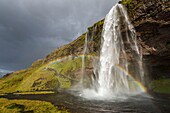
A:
(83, 62)
(119, 52)
(113, 54)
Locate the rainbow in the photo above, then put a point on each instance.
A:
(70, 57)
(140, 85)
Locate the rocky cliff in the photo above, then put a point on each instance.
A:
(151, 19)
(62, 68)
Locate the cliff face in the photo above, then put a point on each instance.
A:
(61, 68)
(151, 19)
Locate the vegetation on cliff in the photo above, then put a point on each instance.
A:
(59, 69)
(160, 86)
(57, 74)
(151, 19)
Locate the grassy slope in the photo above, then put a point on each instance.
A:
(56, 74)
(46, 80)
(42, 75)
(27, 106)
(39, 79)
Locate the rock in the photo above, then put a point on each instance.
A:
(151, 19)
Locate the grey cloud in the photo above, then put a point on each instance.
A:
(30, 29)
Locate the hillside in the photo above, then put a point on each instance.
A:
(62, 67)
(57, 70)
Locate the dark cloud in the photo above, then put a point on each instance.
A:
(30, 29)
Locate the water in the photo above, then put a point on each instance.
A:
(114, 84)
(120, 62)
(76, 104)
(83, 61)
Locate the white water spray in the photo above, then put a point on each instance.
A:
(118, 51)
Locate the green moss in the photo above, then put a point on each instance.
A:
(11, 83)
(127, 2)
(160, 86)
(98, 24)
(64, 82)
(23, 106)
(56, 74)
(35, 92)
(16, 106)
(24, 81)
(66, 66)
(35, 81)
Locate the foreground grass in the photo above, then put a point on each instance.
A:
(28, 106)
(35, 92)
(161, 86)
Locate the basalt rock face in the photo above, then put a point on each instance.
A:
(151, 19)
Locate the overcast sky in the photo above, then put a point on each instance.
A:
(31, 29)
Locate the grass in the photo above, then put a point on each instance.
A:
(56, 74)
(160, 86)
(28, 106)
(125, 2)
(66, 70)
(35, 92)
(99, 23)
(11, 83)
(36, 78)
(66, 66)
(36, 81)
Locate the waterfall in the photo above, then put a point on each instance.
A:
(113, 54)
(83, 62)
(119, 56)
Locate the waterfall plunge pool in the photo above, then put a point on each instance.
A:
(76, 104)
